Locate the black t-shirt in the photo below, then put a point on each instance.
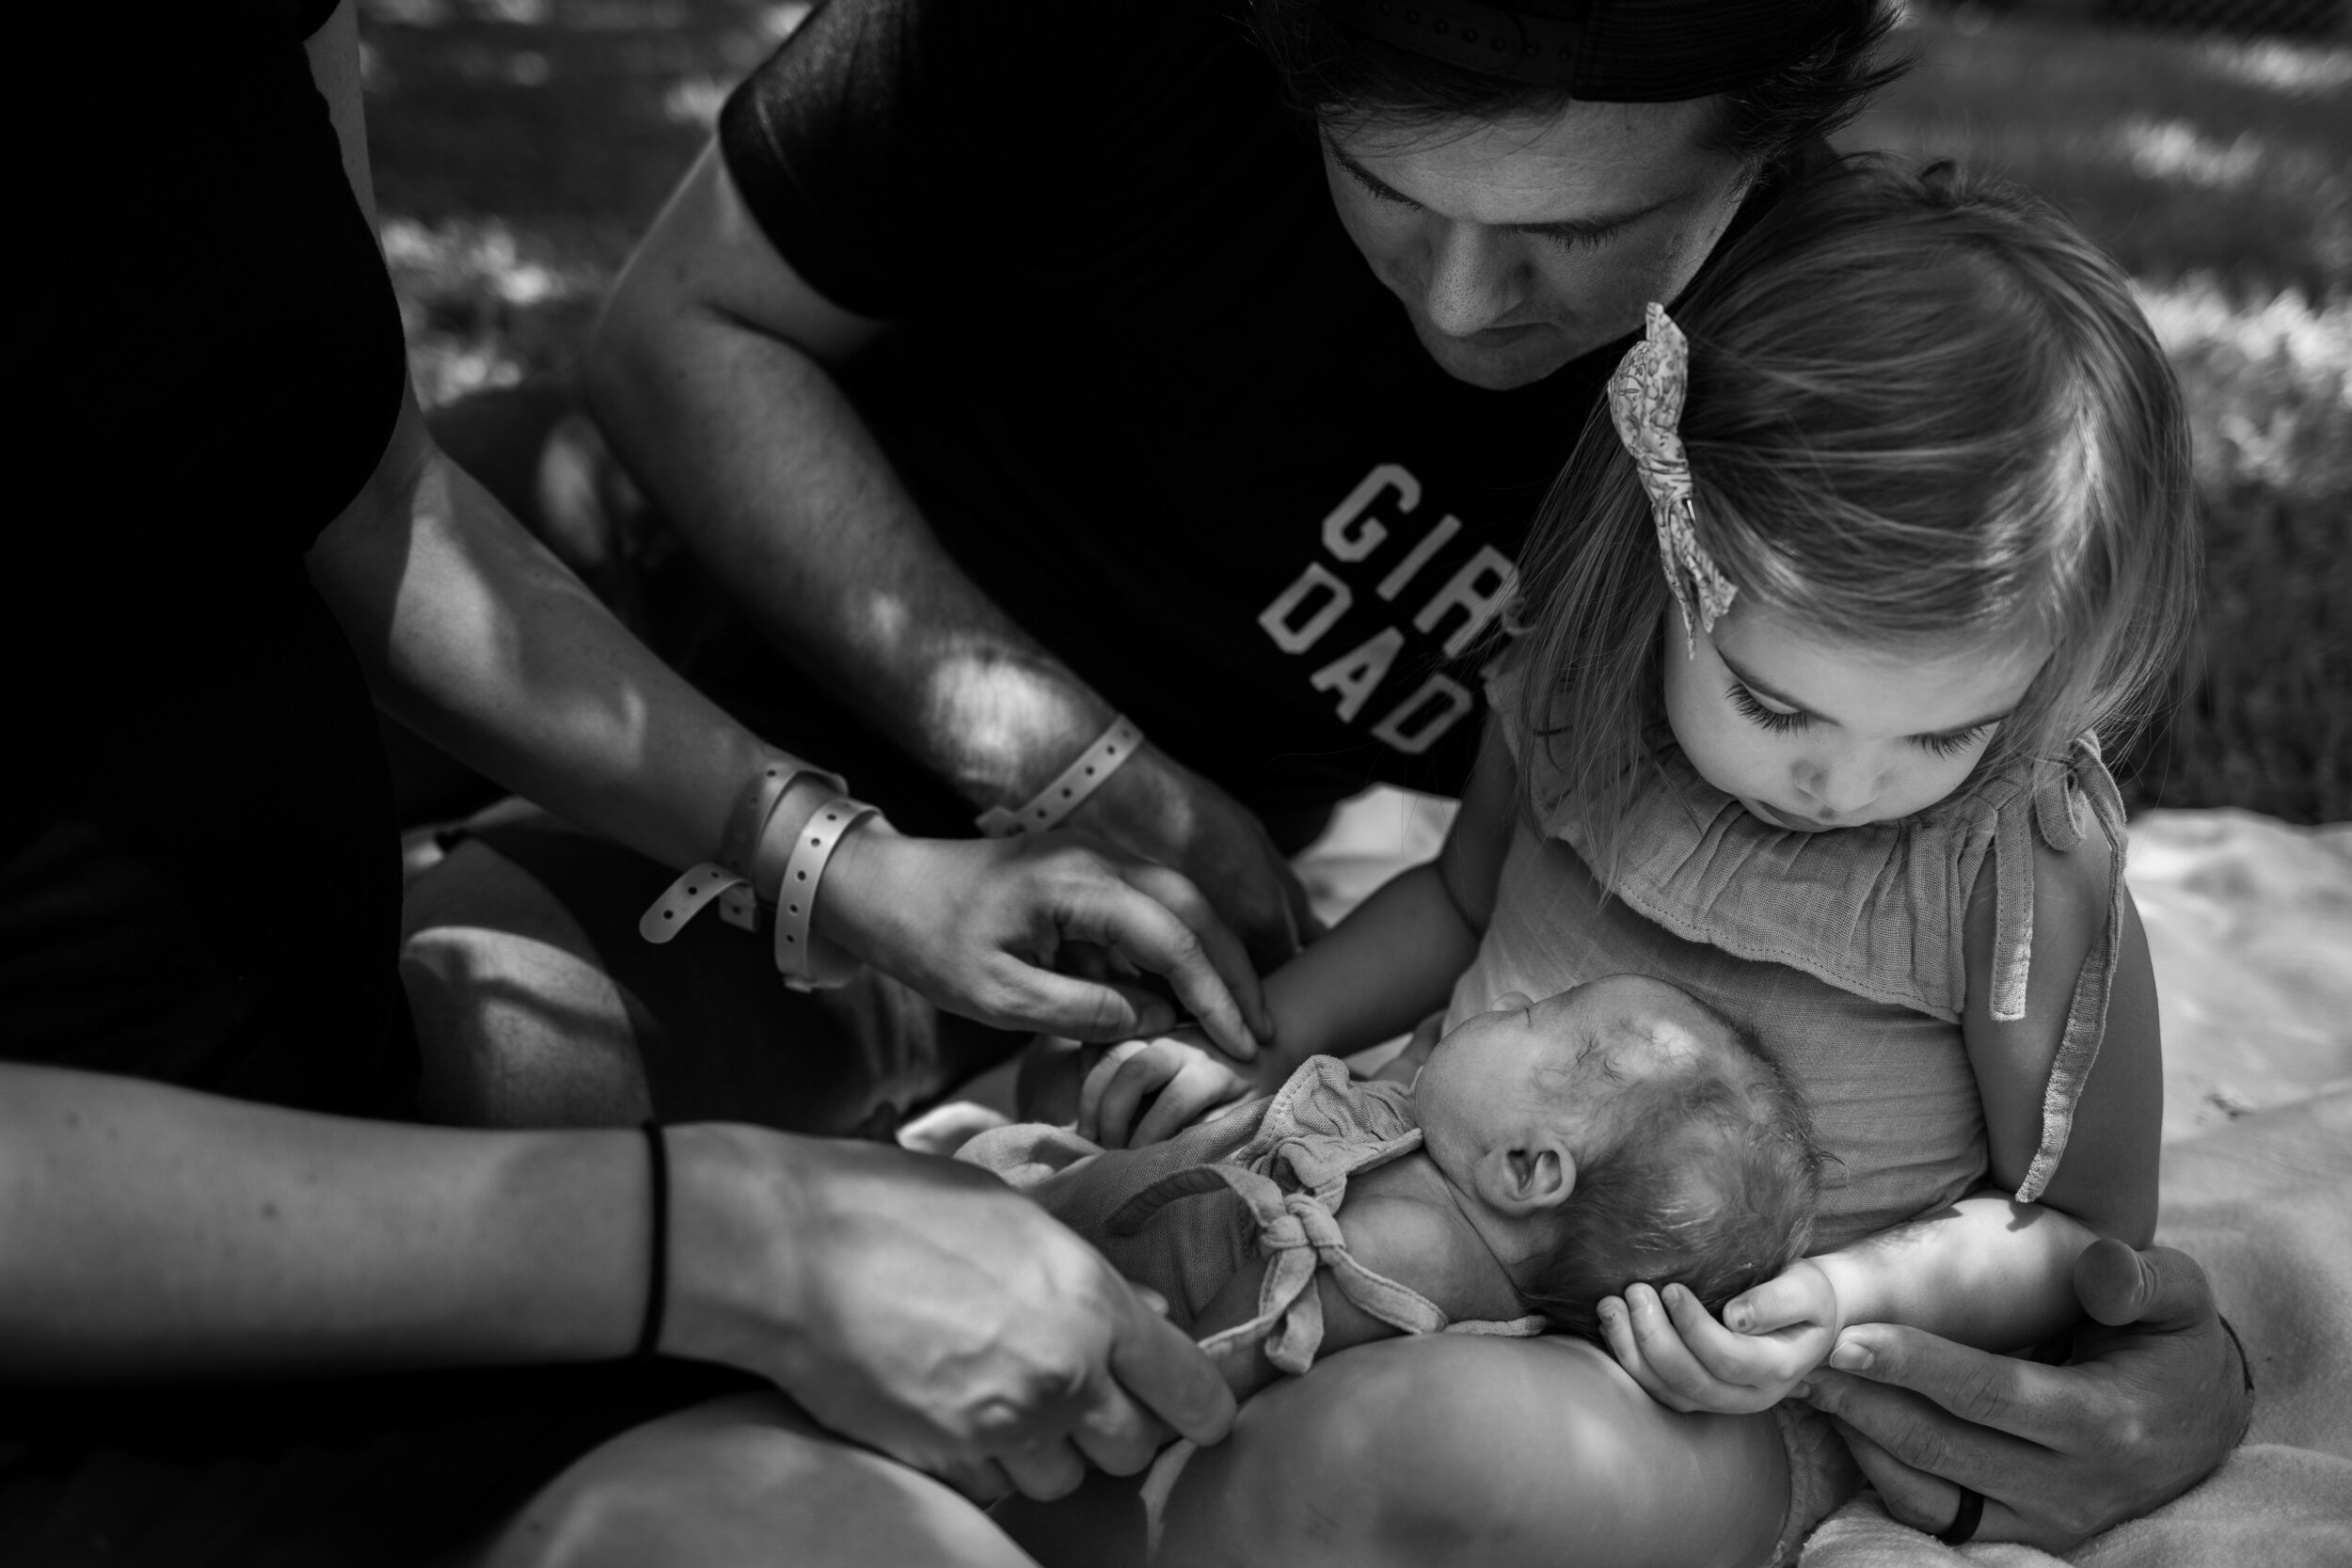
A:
(1150, 396)
(199, 865)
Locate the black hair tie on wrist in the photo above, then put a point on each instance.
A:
(1965, 1522)
(657, 1260)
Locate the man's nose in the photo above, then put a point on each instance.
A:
(1840, 785)
(1473, 279)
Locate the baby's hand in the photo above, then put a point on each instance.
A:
(1776, 1334)
(1191, 1075)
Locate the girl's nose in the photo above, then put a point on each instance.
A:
(1473, 279)
(1841, 786)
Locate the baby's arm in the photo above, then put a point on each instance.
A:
(1414, 1243)
(1377, 974)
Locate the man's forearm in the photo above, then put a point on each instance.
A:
(756, 455)
(148, 1231)
(1987, 1271)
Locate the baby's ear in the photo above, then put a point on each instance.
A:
(1534, 1179)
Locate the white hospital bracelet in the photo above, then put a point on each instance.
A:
(729, 878)
(807, 963)
(1068, 791)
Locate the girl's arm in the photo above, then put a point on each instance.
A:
(1987, 1271)
(1395, 957)
(1382, 970)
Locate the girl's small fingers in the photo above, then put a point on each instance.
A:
(1782, 1302)
(1729, 1357)
(1616, 1329)
(1662, 1347)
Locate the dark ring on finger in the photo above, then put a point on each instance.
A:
(1965, 1522)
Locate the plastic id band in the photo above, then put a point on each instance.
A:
(746, 835)
(805, 963)
(1068, 792)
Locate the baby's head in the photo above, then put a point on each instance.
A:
(1621, 1131)
(1938, 516)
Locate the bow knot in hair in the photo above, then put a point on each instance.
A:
(1646, 396)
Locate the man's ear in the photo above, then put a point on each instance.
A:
(1534, 1179)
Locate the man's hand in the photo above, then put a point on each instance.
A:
(2153, 1398)
(1159, 809)
(923, 1307)
(1771, 1337)
(981, 928)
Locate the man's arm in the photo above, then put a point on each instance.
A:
(2155, 1396)
(710, 374)
(908, 1302)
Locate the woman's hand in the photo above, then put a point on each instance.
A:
(985, 928)
(1187, 1073)
(1769, 1339)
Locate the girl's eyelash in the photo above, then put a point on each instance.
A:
(1779, 723)
(1955, 743)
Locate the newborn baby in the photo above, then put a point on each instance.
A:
(1548, 1155)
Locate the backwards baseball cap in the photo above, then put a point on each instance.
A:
(1606, 51)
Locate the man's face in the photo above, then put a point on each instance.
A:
(1517, 246)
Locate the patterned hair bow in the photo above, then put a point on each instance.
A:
(1645, 401)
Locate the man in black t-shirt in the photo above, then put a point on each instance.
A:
(1230, 351)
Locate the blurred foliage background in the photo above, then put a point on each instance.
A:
(520, 145)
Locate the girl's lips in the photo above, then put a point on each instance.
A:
(1790, 819)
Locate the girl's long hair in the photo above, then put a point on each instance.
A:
(1924, 412)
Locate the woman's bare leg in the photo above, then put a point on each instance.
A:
(1447, 1449)
(744, 1483)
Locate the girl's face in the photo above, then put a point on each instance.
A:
(1809, 734)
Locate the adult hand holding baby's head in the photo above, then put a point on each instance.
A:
(1187, 1073)
(1769, 1339)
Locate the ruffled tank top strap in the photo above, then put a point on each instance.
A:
(2084, 790)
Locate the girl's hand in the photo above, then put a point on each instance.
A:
(1184, 1069)
(1778, 1332)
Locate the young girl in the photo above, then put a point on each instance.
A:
(1916, 474)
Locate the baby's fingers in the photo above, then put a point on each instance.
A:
(1199, 1085)
(1135, 1080)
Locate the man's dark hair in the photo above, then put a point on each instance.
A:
(1333, 73)
(1709, 1183)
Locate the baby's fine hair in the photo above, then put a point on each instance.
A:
(1710, 1183)
(1924, 412)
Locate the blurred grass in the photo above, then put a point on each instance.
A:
(519, 146)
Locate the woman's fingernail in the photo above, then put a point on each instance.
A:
(1850, 1357)
(1738, 1320)
(1802, 1391)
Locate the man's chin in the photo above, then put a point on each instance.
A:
(1499, 367)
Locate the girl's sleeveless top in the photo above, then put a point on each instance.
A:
(1842, 951)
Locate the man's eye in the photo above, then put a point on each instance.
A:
(1745, 701)
(1578, 238)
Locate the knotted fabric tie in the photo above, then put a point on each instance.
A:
(1296, 1231)
(1646, 393)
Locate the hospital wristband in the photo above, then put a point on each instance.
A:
(1071, 787)
(806, 962)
